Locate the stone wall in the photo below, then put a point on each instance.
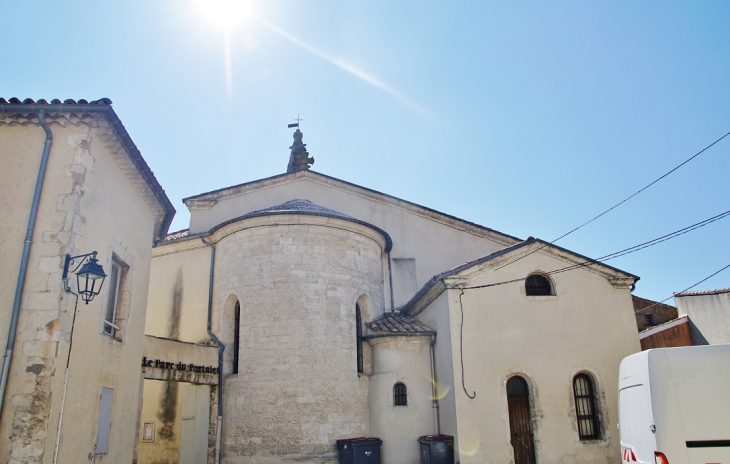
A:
(297, 280)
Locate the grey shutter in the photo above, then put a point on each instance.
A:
(104, 426)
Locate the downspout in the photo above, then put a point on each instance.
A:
(434, 391)
(24, 259)
(221, 347)
(390, 277)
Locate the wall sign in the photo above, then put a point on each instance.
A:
(179, 366)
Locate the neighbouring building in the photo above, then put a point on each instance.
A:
(73, 182)
(709, 315)
(301, 309)
(659, 326)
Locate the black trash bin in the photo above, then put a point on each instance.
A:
(359, 450)
(437, 449)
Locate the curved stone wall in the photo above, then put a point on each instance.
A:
(297, 279)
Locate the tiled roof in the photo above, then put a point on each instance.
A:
(104, 106)
(704, 292)
(299, 206)
(177, 235)
(55, 101)
(399, 323)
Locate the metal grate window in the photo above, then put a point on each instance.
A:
(517, 386)
(104, 426)
(585, 406)
(538, 285)
(400, 394)
(236, 335)
(358, 338)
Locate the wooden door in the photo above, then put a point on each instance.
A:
(520, 424)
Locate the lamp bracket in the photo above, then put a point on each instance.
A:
(77, 261)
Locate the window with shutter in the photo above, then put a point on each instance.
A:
(104, 426)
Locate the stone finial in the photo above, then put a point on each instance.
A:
(299, 158)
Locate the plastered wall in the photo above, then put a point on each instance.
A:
(546, 340)
(91, 200)
(406, 360)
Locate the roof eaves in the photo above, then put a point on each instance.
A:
(103, 106)
(717, 291)
(314, 173)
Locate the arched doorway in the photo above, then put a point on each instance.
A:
(520, 425)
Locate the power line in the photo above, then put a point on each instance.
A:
(620, 202)
(617, 254)
(691, 286)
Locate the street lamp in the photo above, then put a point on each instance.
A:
(89, 279)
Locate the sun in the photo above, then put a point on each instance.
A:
(224, 13)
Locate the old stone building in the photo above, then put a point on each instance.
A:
(72, 183)
(301, 309)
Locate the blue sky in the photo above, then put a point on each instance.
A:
(526, 117)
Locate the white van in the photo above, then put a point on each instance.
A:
(674, 406)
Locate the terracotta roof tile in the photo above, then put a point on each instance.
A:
(399, 323)
(704, 292)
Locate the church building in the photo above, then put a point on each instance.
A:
(301, 309)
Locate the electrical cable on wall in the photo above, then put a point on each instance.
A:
(461, 348)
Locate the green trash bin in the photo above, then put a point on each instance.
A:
(437, 449)
(359, 450)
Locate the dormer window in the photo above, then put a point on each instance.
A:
(538, 285)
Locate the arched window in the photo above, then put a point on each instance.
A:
(236, 335)
(585, 407)
(358, 338)
(538, 285)
(400, 394)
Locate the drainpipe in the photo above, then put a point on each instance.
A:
(221, 347)
(390, 276)
(24, 259)
(434, 391)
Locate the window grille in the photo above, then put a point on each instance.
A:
(516, 387)
(358, 336)
(538, 285)
(236, 335)
(585, 407)
(103, 427)
(400, 394)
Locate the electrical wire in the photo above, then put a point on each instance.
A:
(461, 348)
(610, 256)
(620, 202)
(691, 286)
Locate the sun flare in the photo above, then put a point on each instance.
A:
(224, 13)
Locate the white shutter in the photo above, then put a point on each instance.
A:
(103, 428)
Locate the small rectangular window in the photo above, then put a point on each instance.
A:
(649, 319)
(104, 426)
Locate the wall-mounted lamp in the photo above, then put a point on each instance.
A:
(89, 279)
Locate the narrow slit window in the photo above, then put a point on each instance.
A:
(585, 407)
(538, 285)
(236, 335)
(400, 394)
(358, 338)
